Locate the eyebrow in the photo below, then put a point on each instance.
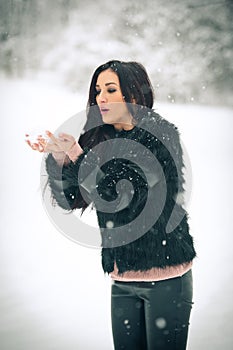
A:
(111, 82)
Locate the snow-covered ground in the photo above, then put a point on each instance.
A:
(54, 295)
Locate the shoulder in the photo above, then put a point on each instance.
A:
(160, 129)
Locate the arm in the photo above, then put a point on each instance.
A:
(72, 175)
(170, 156)
(62, 165)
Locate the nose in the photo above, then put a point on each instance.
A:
(102, 98)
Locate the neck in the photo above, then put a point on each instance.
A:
(120, 127)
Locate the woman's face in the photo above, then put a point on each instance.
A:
(111, 101)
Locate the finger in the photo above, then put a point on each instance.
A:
(34, 146)
(42, 141)
(52, 137)
(41, 148)
(40, 137)
(42, 145)
(50, 147)
(66, 137)
(28, 142)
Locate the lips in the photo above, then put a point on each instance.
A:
(104, 109)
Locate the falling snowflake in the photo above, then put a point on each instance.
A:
(160, 322)
(109, 224)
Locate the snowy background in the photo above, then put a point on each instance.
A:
(48, 53)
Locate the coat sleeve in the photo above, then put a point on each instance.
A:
(171, 159)
(71, 185)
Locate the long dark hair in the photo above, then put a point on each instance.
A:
(134, 83)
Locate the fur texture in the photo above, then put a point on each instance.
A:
(154, 248)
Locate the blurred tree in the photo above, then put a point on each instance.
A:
(186, 45)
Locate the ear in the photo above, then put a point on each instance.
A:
(133, 100)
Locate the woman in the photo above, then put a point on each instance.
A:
(135, 158)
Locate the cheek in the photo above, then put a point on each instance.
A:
(118, 97)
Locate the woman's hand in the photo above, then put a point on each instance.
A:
(62, 146)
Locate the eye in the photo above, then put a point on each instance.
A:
(97, 92)
(111, 90)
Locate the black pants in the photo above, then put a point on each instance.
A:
(152, 315)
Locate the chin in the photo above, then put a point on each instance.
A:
(107, 120)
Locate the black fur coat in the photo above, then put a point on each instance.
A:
(134, 180)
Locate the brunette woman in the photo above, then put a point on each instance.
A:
(136, 160)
